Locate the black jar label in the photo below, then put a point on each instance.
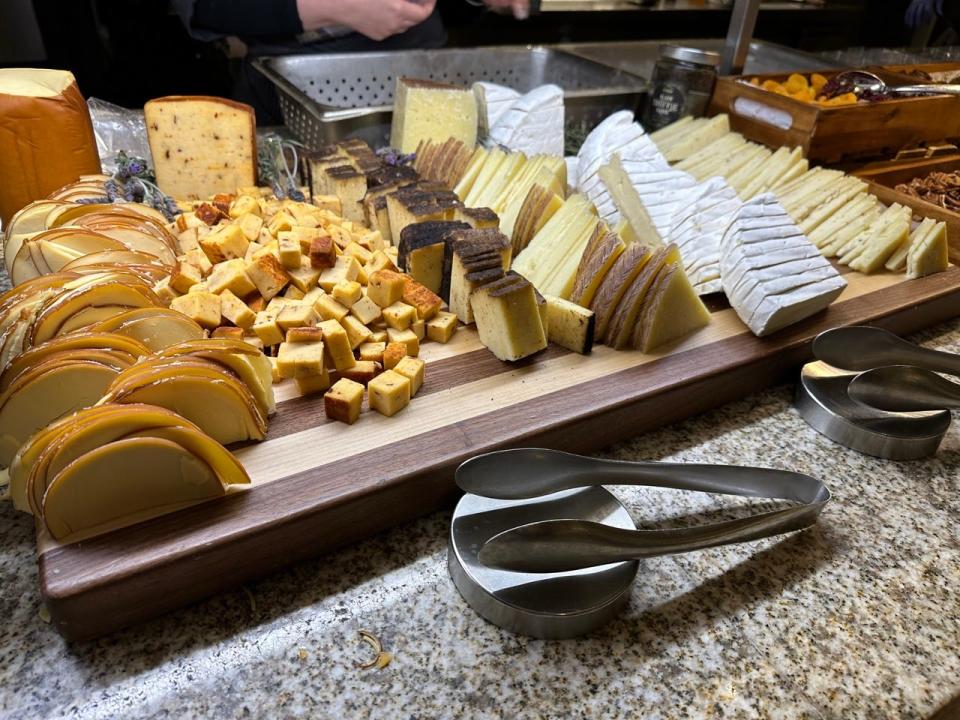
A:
(666, 105)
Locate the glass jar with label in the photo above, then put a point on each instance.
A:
(681, 85)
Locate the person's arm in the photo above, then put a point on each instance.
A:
(247, 17)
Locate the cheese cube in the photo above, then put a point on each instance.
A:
(293, 293)
(250, 225)
(299, 359)
(185, 276)
(362, 255)
(274, 370)
(399, 316)
(442, 327)
(372, 351)
(328, 202)
(267, 329)
(345, 268)
(225, 243)
(365, 310)
(267, 275)
(329, 309)
(199, 258)
(385, 287)
(244, 205)
(356, 331)
(337, 345)
(277, 304)
(379, 336)
(422, 298)
(407, 337)
(412, 369)
(313, 295)
(280, 222)
(189, 239)
(388, 393)
(289, 248)
(201, 307)
(254, 341)
(309, 384)
(508, 318)
(296, 315)
(372, 240)
(236, 311)
(231, 275)
(347, 292)
(363, 372)
(570, 325)
(252, 251)
(305, 277)
(323, 252)
(393, 353)
(269, 246)
(305, 334)
(380, 261)
(164, 291)
(198, 287)
(343, 401)
(231, 333)
(255, 302)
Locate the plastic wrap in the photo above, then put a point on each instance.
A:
(117, 128)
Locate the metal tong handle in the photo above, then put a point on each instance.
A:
(944, 89)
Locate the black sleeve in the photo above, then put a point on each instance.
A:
(248, 17)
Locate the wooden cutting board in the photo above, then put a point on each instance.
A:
(318, 485)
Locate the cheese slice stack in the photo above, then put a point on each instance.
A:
(771, 273)
(533, 123)
(698, 230)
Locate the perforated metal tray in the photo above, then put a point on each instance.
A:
(327, 97)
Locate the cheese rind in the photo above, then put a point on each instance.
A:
(570, 325)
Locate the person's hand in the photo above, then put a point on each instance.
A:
(519, 8)
(376, 19)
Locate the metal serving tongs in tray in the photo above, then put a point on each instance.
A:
(568, 544)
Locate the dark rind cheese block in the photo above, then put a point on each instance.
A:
(479, 218)
(391, 175)
(424, 253)
(350, 185)
(508, 318)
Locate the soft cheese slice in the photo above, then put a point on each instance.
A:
(201, 145)
(533, 123)
(692, 141)
(428, 110)
(492, 102)
(772, 275)
(930, 253)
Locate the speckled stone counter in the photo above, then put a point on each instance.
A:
(856, 618)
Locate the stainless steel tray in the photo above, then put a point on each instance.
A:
(327, 97)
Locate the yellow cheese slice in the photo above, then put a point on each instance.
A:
(125, 482)
(156, 328)
(470, 175)
(898, 261)
(931, 255)
(673, 309)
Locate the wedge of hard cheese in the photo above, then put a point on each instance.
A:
(508, 318)
(428, 110)
(772, 275)
(201, 145)
(928, 252)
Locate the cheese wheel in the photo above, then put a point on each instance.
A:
(46, 137)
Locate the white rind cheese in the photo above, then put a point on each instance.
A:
(492, 101)
(533, 123)
(772, 275)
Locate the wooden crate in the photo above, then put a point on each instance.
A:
(883, 177)
(318, 485)
(831, 134)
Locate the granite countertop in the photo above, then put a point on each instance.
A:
(858, 617)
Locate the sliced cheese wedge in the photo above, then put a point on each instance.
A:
(930, 254)
(601, 253)
(623, 323)
(671, 311)
(696, 138)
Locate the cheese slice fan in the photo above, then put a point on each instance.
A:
(156, 327)
(123, 483)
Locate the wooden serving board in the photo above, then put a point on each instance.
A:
(318, 485)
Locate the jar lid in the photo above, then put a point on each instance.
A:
(690, 55)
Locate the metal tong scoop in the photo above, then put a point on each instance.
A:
(903, 388)
(861, 347)
(563, 545)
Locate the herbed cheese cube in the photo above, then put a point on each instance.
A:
(280, 222)
(412, 369)
(347, 292)
(407, 337)
(251, 225)
(337, 345)
(356, 331)
(372, 351)
(345, 268)
(426, 301)
(236, 311)
(277, 304)
(442, 327)
(289, 248)
(268, 275)
(385, 287)
(365, 310)
(266, 328)
(300, 359)
(296, 314)
(252, 252)
(244, 205)
(199, 258)
(330, 309)
(269, 246)
(323, 252)
(328, 202)
(363, 372)
(372, 240)
(255, 302)
(570, 325)
(399, 315)
(305, 277)
(380, 261)
(343, 401)
(378, 335)
(231, 275)
(199, 287)
(310, 384)
(393, 353)
(254, 341)
(184, 276)
(305, 334)
(201, 307)
(189, 239)
(293, 293)
(419, 328)
(389, 393)
(225, 243)
(359, 252)
(274, 370)
(313, 295)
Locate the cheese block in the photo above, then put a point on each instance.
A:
(492, 102)
(672, 310)
(424, 253)
(350, 185)
(46, 138)
(201, 145)
(928, 254)
(533, 123)
(508, 318)
(469, 273)
(772, 275)
(426, 110)
(569, 325)
(698, 230)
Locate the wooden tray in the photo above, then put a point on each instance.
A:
(883, 177)
(319, 485)
(830, 134)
